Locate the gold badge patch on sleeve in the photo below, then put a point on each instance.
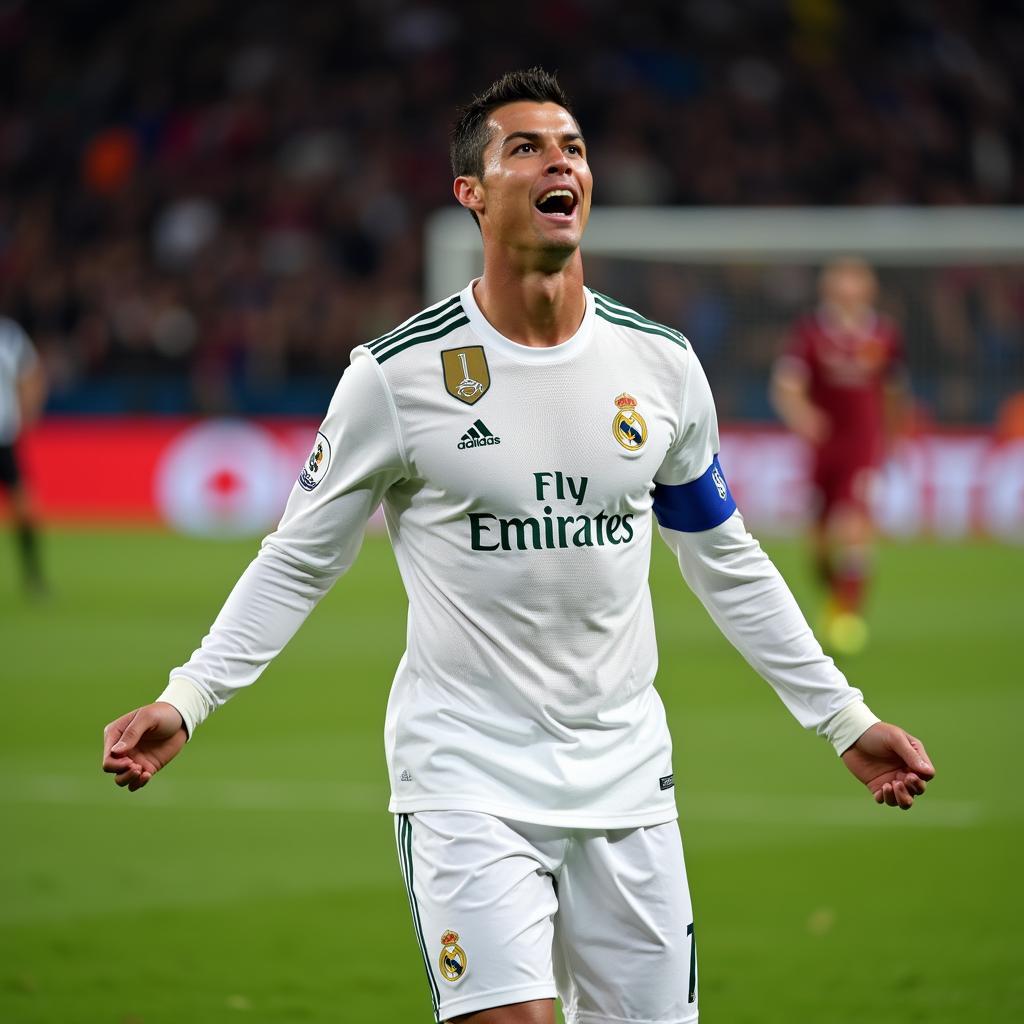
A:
(466, 376)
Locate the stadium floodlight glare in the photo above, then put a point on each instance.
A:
(882, 234)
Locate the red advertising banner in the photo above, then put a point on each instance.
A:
(940, 484)
(225, 477)
(217, 476)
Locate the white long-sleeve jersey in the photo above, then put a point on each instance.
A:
(519, 488)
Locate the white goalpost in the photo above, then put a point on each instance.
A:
(883, 235)
(734, 279)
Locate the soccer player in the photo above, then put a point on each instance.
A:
(523, 435)
(841, 387)
(22, 394)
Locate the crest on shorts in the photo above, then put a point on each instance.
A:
(466, 375)
(453, 957)
(629, 427)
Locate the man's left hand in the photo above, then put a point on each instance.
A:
(893, 764)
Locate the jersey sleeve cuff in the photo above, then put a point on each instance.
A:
(849, 724)
(188, 700)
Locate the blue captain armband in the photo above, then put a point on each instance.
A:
(699, 505)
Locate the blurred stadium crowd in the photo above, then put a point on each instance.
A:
(205, 206)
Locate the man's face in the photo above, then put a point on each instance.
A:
(849, 287)
(535, 192)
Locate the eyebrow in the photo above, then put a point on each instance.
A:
(536, 137)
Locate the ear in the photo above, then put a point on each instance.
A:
(469, 192)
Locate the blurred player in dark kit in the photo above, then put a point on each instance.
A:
(841, 386)
(22, 393)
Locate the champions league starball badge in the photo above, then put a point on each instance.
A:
(317, 463)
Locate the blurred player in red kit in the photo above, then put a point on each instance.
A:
(841, 386)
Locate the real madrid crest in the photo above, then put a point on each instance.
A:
(629, 427)
(466, 376)
(453, 957)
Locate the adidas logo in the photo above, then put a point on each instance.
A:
(477, 436)
(405, 776)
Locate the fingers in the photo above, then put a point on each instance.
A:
(915, 785)
(912, 751)
(924, 767)
(134, 777)
(904, 798)
(112, 735)
(121, 737)
(892, 796)
(900, 792)
(120, 741)
(139, 724)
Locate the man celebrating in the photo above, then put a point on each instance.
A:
(520, 434)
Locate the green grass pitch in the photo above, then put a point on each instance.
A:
(256, 879)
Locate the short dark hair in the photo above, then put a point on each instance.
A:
(470, 135)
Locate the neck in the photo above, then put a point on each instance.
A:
(534, 307)
(851, 318)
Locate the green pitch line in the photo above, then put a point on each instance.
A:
(221, 796)
(257, 880)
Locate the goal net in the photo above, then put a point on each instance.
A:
(734, 280)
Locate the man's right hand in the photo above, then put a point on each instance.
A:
(137, 745)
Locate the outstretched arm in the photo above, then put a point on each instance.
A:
(357, 456)
(752, 605)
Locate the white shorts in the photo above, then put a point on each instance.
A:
(506, 912)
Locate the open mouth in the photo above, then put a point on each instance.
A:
(557, 202)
